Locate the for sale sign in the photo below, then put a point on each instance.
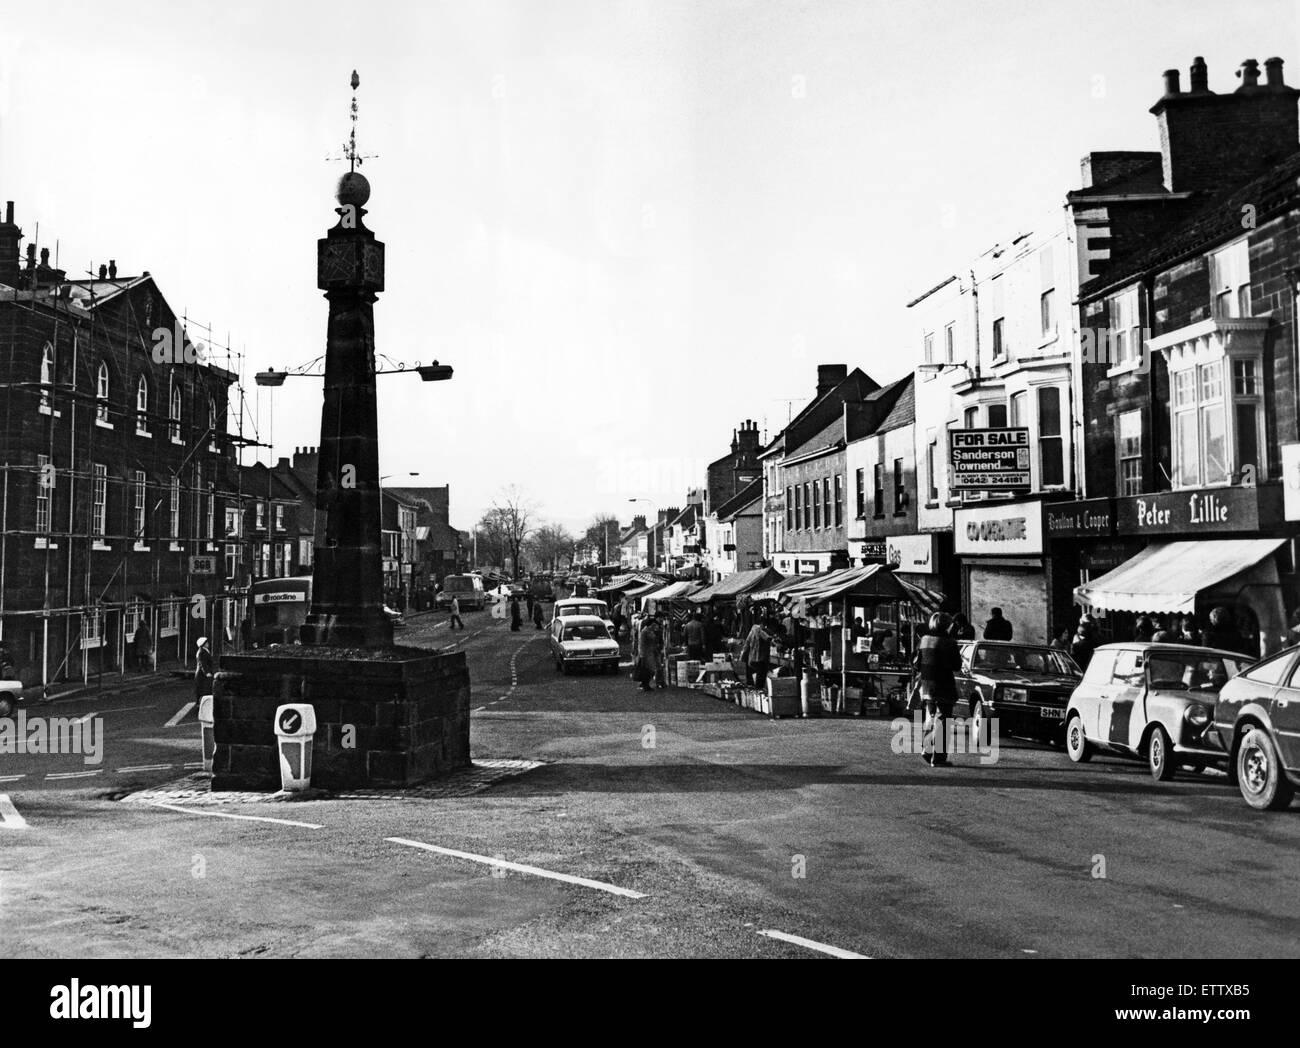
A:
(989, 459)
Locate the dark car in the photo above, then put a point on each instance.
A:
(1025, 686)
(1257, 719)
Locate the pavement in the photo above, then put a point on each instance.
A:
(602, 821)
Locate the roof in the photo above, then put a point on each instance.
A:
(686, 517)
(903, 413)
(857, 385)
(747, 496)
(438, 499)
(1217, 218)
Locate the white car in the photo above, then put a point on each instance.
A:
(579, 606)
(11, 695)
(579, 641)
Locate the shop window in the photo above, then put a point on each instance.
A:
(1230, 280)
(879, 503)
(1129, 447)
(1051, 442)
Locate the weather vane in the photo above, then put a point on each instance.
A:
(350, 148)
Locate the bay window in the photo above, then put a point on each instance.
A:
(1203, 452)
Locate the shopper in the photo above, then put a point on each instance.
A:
(1222, 634)
(516, 617)
(696, 639)
(757, 655)
(1143, 630)
(537, 614)
(204, 669)
(938, 660)
(453, 622)
(997, 628)
(649, 654)
(616, 620)
(1082, 646)
(962, 628)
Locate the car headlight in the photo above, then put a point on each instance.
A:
(1015, 695)
(1198, 715)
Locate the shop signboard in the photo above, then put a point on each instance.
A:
(1092, 518)
(999, 530)
(872, 552)
(1195, 512)
(203, 565)
(911, 553)
(989, 459)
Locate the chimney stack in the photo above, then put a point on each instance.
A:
(1273, 72)
(829, 376)
(10, 236)
(1249, 75)
(31, 255)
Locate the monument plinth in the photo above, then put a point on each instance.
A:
(385, 715)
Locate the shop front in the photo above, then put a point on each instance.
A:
(1175, 555)
(1001, 555)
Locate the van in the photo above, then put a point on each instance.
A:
(467, 589)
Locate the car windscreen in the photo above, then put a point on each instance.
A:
(586, 631)
(1018, 659)
(580, 609)
(458, 584)
(1176, 671)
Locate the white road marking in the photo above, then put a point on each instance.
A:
(568, 878)
(193, 764)
(180, 715)
(123, 709)
(820, 947)
(74, 774)
(228, 815)
(9, 817)
(12, 778)
(146, 767)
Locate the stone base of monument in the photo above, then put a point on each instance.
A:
(387, 717)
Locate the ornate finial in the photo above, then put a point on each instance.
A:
(350, 153)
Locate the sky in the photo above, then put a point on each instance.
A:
(628, 226)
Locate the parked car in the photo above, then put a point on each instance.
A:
(579, 606)
(1257, 720)
(583, 642)
(11, 696)
(1154, 702)
(468, 589)
(1025, 686)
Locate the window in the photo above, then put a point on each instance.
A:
(101, 394)
(1016, 415)
(1051, 444)
(929, 349)
(1047, 313)
(279, 517)
(232, 522)
(279, 559)
(212, 417)
(169, 617)
(807, 505)
(900, 494)
(138, 511)
(931, 457)
(131, 618)
(264, 560)
(1128, 668)
(44, 478)
(997, 416)
(1247, 412)
(861, 494)
(1125, 333)
(971, 416)
(826, 502)
(798, 507)
(1047, 300)
(210, 515)
(1271, 671)
(99, 501)
(999, 345)
(1129, 446)
(817, 503)
(174, 412)
(839, 500)
(174, 509)
(879, 502)
(259, 517)
(950, 343)
(47, 377)
(1230, 280)
(142, 406)
(305, 551)
(789, 509)
(232, 560)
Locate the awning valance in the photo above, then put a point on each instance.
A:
(736, 584)
(1166, 578)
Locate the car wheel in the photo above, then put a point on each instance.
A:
(1259, 773)
(977, 717)
(1076, 742)
(8, 706)
(1160, 755)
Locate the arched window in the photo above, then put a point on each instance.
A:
(47, 375)
(101, 393)
(174, 411)
(142, 405)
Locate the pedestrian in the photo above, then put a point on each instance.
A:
(649, 653)
(143, 642)
(997, 628)
(537, 614)
(696, 639)
(453, 621)
(530, 603)
(962, 628)
(204, 669)
(616, 619)
(1143, 630)
(1222, 634)
(756, 653)
(516, 617)
(938, 661)
(1082, 646)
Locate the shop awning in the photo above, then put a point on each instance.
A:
(927, 601)
(1166, 578)
(873, 582)
(737, 584)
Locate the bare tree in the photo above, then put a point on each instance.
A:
(551, 545)
(511, 517)
(602, 535)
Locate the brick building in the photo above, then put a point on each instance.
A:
(728, 476)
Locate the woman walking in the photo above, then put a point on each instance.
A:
(516, 617)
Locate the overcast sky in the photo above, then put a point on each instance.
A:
(629, 226)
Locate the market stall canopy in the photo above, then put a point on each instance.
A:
(791, 586)
(647, 590)
(737, 584)
(927, 601)
(634, 580)
(1166, 578)
(677, 591)
(873, 582)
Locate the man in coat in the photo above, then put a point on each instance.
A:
(997, 628)
(649, 653)
(938, 660)
(204, 670)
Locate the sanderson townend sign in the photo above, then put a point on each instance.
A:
(989, 459)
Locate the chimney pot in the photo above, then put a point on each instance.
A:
(1200, 75)
(1171, 82)
(103, 271)
(1249, 74)
(112, 269)
(1272, 71)
(45, 256)
(9, 204)
(31, 254)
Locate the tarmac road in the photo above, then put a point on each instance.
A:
(726, 824)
